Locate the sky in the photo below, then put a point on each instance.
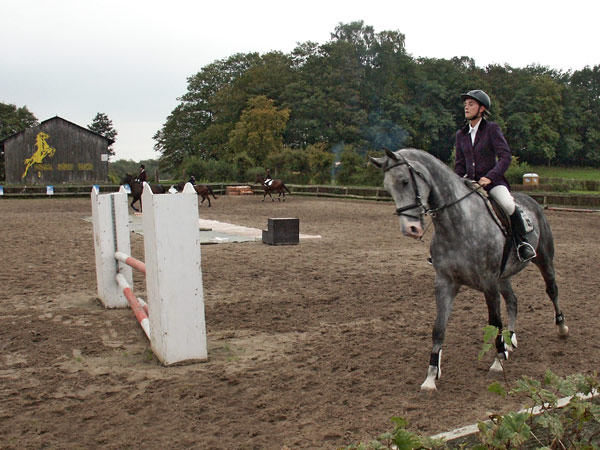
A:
(131, 59)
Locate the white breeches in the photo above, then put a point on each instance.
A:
(502, 195)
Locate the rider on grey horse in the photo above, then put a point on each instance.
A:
(483, 155)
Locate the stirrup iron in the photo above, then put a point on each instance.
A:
(525, 245)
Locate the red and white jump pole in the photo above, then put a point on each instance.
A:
(135, 264)
(131, 261)
(175, 309)
(140, 314)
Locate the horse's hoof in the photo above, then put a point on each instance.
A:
(496, 368)
(563, 330)
(428, 387)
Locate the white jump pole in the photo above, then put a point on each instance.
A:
(110, 217)
(174, 276)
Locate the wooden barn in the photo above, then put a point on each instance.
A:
(56, 151)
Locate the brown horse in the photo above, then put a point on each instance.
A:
(137, 188)
(202, 190)
(272, 186)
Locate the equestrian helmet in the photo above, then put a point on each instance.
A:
(479, 96)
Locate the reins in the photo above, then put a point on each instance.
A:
(433, 212)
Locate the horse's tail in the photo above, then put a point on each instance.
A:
(210, 191)
(286, 188)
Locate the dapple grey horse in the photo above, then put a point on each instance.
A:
(467, 245)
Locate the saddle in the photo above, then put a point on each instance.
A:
(501, 218)
(498, 214)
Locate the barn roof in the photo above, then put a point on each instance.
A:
(110, 141)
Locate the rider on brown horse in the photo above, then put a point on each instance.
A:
(142, 175)
(268, 178)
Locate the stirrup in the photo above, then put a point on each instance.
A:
(524, 245)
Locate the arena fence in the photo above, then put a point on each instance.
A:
(551, 193)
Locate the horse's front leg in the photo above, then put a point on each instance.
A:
(133, 207)
(445, 292)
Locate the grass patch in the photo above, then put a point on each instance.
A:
(574, 173)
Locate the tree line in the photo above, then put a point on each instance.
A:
(319, 110)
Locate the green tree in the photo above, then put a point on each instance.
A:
(12, 121)
(351, 166)
(535, 114)
(583, 114)
(259, 130)
(201, 123)
(177, 139)
(320, 161)
(103, 126)
(361, 88)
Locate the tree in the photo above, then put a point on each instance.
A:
(103, 126)
(361, 88)
(534, 116)
(351, 166)
(12, 121)
(320, 161)
(259, 130)
(584, 116)
(177, 140)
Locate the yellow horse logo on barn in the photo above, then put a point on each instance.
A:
(43, 150)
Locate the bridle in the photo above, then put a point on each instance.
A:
(424, 209)
(418, 202)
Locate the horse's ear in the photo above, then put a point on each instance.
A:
(377, 162)
(390, 154)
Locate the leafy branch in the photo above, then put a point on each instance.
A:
(561, 414)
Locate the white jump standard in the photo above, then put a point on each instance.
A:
(173, 319)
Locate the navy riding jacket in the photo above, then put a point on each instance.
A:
(489, 156)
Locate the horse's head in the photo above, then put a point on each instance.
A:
(127, 179)
(407, 185)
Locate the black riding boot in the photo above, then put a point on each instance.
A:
(525, 250)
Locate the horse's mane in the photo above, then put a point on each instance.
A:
(432, 164)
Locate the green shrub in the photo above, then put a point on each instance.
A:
(209, 170)
(515, 172)
(543, 424)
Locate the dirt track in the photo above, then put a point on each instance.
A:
(311, 346)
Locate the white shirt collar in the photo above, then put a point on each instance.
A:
(473, 131)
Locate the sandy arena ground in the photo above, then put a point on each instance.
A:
(315, 345)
